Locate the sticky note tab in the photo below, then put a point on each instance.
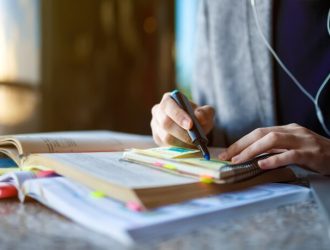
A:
(7, 163)
(181, 150)
(169, 166)
(47, 173)
(8, 170)
(206, 179)
(7, 190)
(97, 194)
(158, 164)
(134, 206)
(35, 168)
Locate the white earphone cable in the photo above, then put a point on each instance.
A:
(288, 72)
(328, 22)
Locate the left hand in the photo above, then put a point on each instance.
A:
(298, 145)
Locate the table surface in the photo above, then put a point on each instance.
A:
(296, 226)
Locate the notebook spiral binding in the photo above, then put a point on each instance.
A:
(239, 172)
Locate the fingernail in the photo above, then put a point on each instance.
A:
(186, 123)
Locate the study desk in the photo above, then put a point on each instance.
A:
(296, 226)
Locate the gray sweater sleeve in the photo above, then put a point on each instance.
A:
(202, 75)
(232, 69)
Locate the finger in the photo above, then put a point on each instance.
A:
(154, 132)
(157, 139)
(276, 150)
(283, 159)
(173, 110)
(247, 140)
(273, 140)
(205, 116)
(168, 125)
(193, 105)
(165, 138)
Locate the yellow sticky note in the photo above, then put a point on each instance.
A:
(169, 166)
(97, 194)
(206, 179)
(35, 168)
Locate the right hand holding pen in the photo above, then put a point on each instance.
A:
(169, 123)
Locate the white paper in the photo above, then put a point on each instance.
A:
(112, 218)
(17, 179)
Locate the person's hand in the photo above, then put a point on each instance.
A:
(169, 123)
(298, 145)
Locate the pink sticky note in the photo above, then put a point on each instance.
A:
(158, 164)
(46, 173)
(134, 206)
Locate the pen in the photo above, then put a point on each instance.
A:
(196, 133)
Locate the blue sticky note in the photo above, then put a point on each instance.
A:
(7, 163)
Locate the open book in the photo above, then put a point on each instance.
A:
(85, 157)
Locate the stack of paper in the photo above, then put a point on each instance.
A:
(115, 219)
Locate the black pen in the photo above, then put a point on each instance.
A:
(196, 133)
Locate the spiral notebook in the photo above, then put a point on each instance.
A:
(188, 162)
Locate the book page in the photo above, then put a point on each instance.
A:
(84, 141)
(110, 168)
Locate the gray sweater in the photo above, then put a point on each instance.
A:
(234, 69)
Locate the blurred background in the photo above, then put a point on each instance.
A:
(91, 64)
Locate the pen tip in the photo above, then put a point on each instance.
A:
(207, 157)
